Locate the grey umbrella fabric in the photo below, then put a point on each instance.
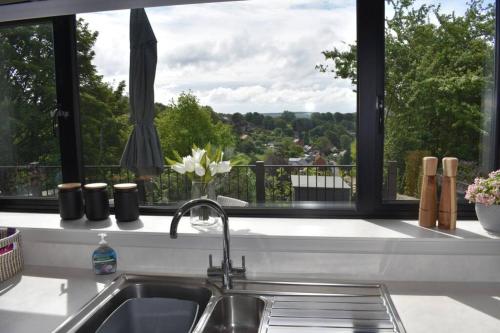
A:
(142, 154)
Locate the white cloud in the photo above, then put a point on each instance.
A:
(236, 56)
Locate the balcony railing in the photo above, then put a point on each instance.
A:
(257, 183)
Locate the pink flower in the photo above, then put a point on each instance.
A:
(485, 191)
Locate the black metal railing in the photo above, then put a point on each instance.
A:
(32, 180)
(256, 183)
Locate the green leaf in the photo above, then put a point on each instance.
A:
(177, 155)
(171, 162)
(208, 149)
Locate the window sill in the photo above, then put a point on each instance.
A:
(344, 249)
(42, 226)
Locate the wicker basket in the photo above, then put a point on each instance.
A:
(11, 262)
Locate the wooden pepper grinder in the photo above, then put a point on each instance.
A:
(427, 214)
(448, 201)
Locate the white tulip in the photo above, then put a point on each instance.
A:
(199, 170)
(198, 154)
(213, 168)
(223, 167)
(180, 168)
(188, 163)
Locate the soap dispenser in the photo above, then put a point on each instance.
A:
(104, 258)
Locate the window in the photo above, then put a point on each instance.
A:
(29, 148)
(371, 86)
(439, 91)
(251, 77)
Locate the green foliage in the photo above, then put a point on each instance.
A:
(345, 141)
(27, 95)
(437, 69)
(27, 92)
(346, 158)
(104, 110)
(413, 174)
(278, 185)
(323, 144)
(185, 122)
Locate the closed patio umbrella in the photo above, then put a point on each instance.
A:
(142, 154)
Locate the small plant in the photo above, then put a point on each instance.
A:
(202, 165)
(485, 191)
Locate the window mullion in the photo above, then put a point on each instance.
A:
(370, 29)
(68, 108)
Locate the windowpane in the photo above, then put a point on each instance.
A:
(252, 77)
(29, 150)
(438, 90)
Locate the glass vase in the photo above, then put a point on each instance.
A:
(203, 216)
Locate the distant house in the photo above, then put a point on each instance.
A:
(297, 161)
(319, 160)
(299, 142)
(320, 188)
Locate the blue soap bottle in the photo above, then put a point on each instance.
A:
(104, 258)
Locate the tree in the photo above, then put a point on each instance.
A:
(346, 158)
(27, 84)
(345, 141)
(246, 147)
(323, 144)
(280, 123)
(269, 123)
(27, 94)
(302, 124)
(239, 122)
(254, 118)
(333, 137)
(104, 110)
(288, 116)
(186, 122)
(437, 68)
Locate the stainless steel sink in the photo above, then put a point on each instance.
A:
(235, 314)
(125, 287)
(253, 306)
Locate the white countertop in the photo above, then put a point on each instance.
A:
(261, 227)
(41, 298)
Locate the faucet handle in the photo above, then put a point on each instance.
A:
(239, 271)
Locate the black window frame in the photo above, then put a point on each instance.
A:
(370, 23)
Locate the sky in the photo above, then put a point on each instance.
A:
(242, 56)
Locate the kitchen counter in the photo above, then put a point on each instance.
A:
(370, 250)
(41, 298)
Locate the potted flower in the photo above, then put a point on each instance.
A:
(485, 193)
(202, 168)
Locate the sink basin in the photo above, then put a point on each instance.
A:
(154, 315)
(236, 314)
(129, 287)
(250, 307)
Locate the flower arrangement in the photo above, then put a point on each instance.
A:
(202, 165)
(485, 191)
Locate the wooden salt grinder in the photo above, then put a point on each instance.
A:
(448, 201)
(427, 213)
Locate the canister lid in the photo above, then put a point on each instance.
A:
(125, 186)
(95, 186)
(69, 186)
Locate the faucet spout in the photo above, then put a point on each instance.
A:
(226, 263)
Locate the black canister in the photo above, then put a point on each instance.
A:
(70, 201)
(126, 202)
(96, 201)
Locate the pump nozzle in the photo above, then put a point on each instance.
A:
(103, 240)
